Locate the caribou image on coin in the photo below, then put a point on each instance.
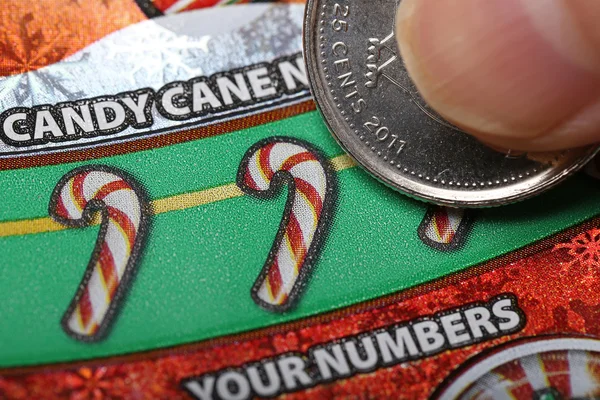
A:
(375, 112)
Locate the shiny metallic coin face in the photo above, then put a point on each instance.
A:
(375, 112)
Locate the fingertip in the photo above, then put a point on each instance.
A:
(582, 129)
(491, 69)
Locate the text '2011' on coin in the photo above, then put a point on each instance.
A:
(375, 112)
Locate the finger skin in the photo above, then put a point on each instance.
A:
(520, 74)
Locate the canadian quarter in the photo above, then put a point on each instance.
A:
(377, 115)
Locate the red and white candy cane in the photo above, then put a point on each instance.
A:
(121, 202)
(311, 181)
(445, 228)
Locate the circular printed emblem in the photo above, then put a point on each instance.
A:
(538, 369)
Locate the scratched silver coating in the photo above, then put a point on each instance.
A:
(375, 112)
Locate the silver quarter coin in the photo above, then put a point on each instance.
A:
(375, 112)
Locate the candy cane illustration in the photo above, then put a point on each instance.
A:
(311, 197)
(445, 228)
(123, 207)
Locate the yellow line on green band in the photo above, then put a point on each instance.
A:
(160, 206)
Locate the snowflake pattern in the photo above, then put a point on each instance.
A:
(153, 53)
(584, 250)
(550, 308)
(165, 55)
(28, 49)
(44, 85)
(28, 81)
(87, 383)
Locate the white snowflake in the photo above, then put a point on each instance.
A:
(158, 53)
(50, 84)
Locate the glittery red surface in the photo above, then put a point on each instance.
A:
(538, 282)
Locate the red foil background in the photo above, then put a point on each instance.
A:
(536, 275)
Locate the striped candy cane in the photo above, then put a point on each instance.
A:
(77, 196)
(445, 228)
(263, 170)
